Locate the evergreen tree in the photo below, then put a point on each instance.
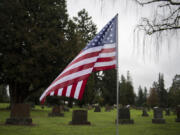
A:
(108, 87)
(140, 97)
(174, 92)
(34, 41)
(126, 91)
(162, 93)
(153, 99)
(145, 97)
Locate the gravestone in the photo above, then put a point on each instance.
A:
(144, 113)
(20, 115)
(97, 109)
(178, 114)
(124, 116)
(56, 111)
(79, 117)
(167, 110)
(89, 107)
(158, 116)
(66, 109)
(108, 108)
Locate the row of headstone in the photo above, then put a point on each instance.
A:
(20, 115)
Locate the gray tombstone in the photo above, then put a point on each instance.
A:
(20, 115)
(124, 116)
(158, 116)
(144, 112)
(79, 117)
(65, 108)
(108, 108)
(97, 109)
(56, 111)
(178, 114)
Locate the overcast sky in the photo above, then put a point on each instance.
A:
(144, 68)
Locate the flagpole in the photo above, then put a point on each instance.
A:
(117, 83)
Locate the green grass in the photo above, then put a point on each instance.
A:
(102, 123)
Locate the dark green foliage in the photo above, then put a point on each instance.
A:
(108, 87)
(158, 89)
(126, 91)
(141, 97)
(34, 38)
(162, 93)
(174, 92)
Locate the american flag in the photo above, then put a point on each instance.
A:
(99, 54)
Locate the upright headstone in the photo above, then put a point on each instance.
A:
(144, 112)
(20, 115)
(178, 114)
(124, 116)
(158, 116)
(89, 107)
(56, 111)
(167, 110)
(65, 108)
(79, 117)
(108, 108)
(97, 109)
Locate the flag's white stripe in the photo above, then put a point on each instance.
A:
(102, 64)
(90, 50)
(60, 92)
(52, 93)
(78, 87)
(68, 92)
(80, 63)
(66, 78)
(96, 49)
(104, 55)
(108, 46)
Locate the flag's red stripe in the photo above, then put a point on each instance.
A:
(73, 90)
(108, 50)
(64, 91)
(104, 68)
(107, 59)
(56, 92)
(82, 89)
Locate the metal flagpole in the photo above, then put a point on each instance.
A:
(117, 68)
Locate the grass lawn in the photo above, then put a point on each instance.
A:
(102, 123)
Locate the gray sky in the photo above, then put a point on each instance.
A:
(143, 67)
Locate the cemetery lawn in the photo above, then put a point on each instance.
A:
(102, 123)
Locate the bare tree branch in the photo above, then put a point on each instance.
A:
(141, 2)
(170, 21)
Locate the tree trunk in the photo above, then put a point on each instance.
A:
(18, 92)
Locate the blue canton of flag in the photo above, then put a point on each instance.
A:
(106, 36)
